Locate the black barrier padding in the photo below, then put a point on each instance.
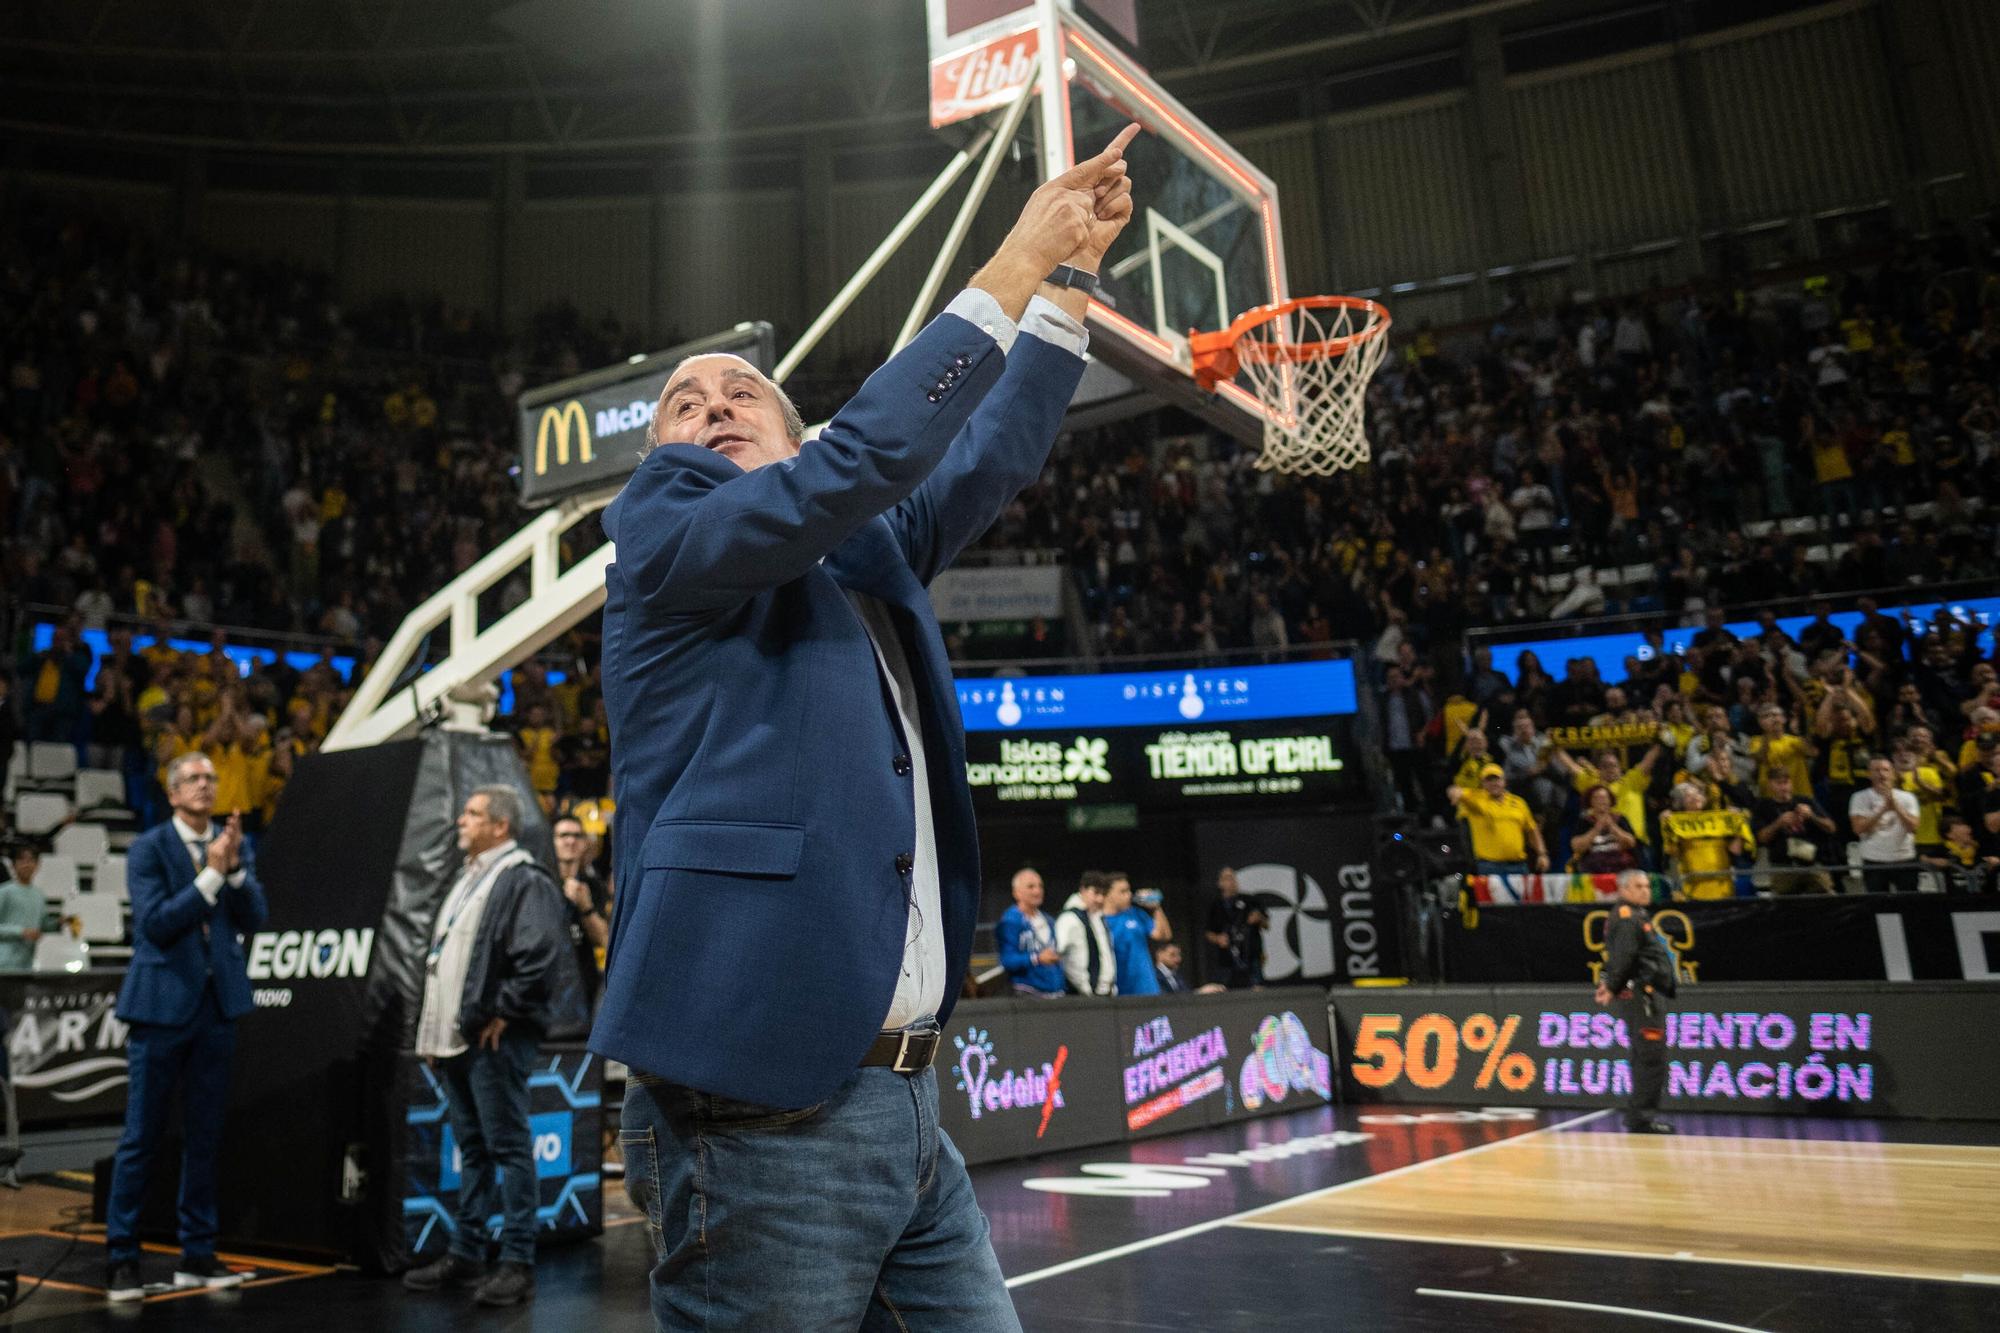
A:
(1133, 1067)
(1821, 938)
(1331, 918)
(362, 851)
(1925, 1050)
(325, 865)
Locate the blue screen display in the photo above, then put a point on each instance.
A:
(1609, 651)
(243, 656)
(1158, 698)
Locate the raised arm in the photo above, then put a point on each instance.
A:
(1003, 448)
(696, 531)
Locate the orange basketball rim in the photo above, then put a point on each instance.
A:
(1309, 361)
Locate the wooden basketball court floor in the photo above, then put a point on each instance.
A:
(1347, 1218)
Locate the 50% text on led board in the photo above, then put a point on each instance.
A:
(1427, 1054)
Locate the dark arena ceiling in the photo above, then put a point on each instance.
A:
(591, 77)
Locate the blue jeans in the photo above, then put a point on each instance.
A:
(1500, 867)
(853, 1214)
(193, 1059)
(487, 1093)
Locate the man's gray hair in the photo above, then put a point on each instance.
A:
(503, 805)
(795, 425)
(1626, 877)
(179, 767)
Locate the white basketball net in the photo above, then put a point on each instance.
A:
(1314, 399)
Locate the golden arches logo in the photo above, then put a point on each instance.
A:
(558, 421)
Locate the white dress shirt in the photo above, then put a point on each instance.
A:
(209, 881)
(920, 984)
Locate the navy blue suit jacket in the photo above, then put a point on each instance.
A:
(170, 960)
(764, 808)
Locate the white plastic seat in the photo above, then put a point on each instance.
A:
(51, 761)
(86, 844)
(103, 917)
(60, 951)
(110, 877)
(57, 877)
(40, 812)
(97, 788)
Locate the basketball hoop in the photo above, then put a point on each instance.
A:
(1308, 360)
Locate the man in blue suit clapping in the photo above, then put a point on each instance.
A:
(798, 872)
(193, 898)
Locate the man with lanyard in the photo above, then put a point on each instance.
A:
(1637, 981)
(500, 974)
(1027, 940)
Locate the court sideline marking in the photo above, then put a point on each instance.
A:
(1134, 1247)
(1627, 1311)
(1677, 1257)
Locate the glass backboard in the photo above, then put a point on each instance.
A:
(1203, 245)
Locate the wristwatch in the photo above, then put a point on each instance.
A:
(1066, 275)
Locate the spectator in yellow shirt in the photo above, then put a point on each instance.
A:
(1471, 756)
(1774, 749)
(1703, 844)
(1929, 786)
(1503, 828)
(538, 750)
(1628, 786)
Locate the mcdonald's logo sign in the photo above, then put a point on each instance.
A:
(558, 420)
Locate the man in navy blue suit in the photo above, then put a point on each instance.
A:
(193, 899)
(798, 872)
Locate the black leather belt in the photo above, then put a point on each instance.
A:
(909, 1051)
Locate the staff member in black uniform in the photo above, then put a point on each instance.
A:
(1637, 981)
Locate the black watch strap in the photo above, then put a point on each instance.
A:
(1065, 275)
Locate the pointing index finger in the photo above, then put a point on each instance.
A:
(1088, 170)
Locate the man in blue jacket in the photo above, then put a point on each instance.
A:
(1027, 939)
(798, 872)
(193, 899)
(1133, 930)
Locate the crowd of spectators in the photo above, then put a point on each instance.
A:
(1796, 755)
(135, 709)
(219, 440)
(214, 441)
(190, 440)
(1576, 442)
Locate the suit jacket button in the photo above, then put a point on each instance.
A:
(904, 863)
(935, 395)
(901, 764)
(963, 362)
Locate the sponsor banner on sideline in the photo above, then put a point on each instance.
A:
(1925, 1049)
(1018, 1078)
